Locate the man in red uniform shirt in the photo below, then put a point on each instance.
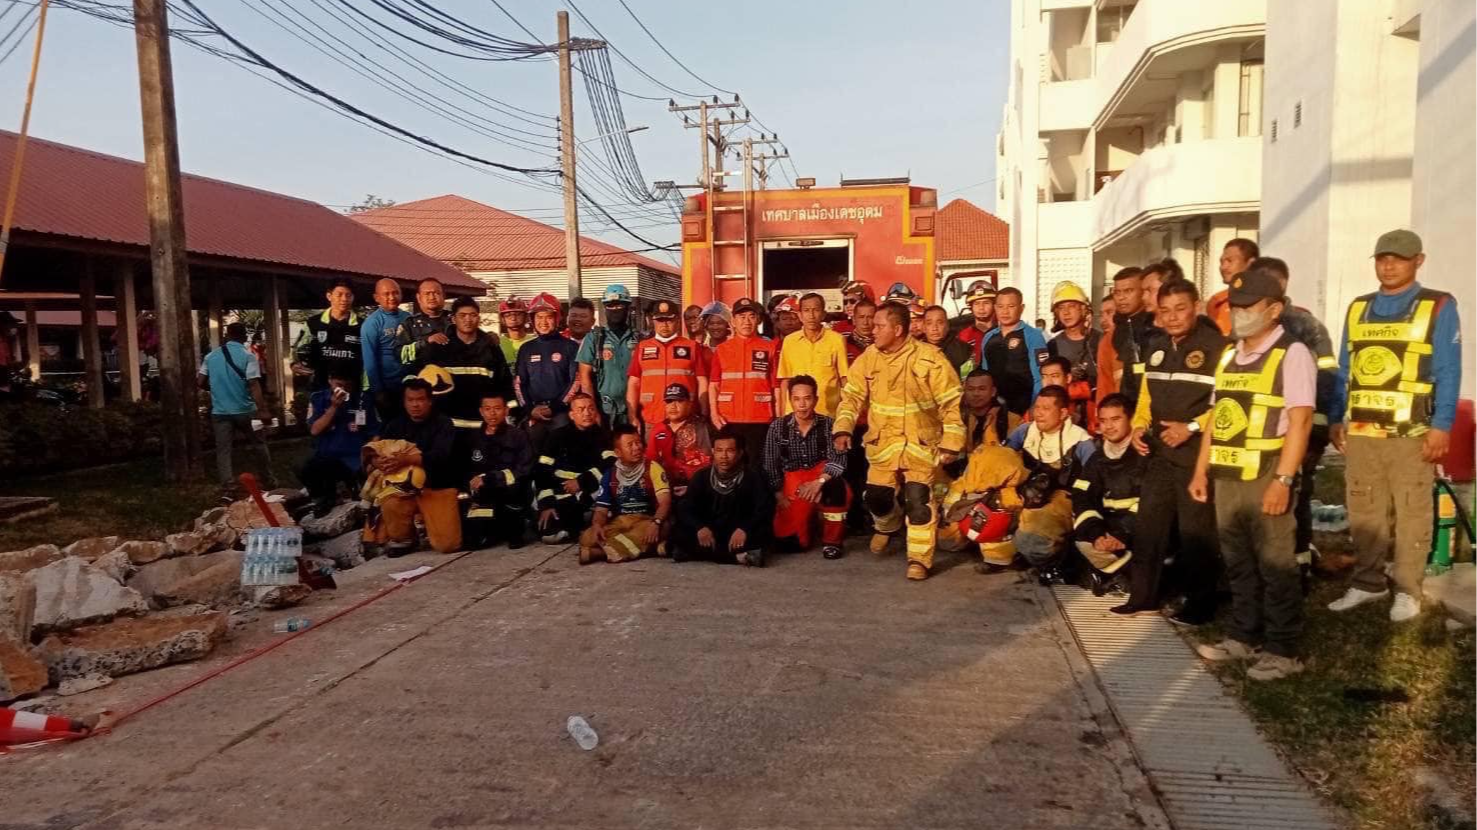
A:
(680, 444)
(659, 361)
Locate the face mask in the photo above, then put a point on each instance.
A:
(666, 339)
(1246, 322)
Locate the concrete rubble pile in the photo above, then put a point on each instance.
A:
(78, 616)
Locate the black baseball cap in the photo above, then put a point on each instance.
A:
(677, 392)
(665, 308)
(1249, 287)
(747, 305)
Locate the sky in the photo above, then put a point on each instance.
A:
(861, 88)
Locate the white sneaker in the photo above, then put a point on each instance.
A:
(1354, 597)
(1405, 607)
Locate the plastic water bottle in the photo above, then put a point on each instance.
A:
(291, 625)
(583, 734)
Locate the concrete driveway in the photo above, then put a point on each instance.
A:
(807, 694)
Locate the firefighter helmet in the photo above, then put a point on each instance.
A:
(916, 308)
(1067, 291)
(981, 524)
(440, 379)
(513, 303)
(789, 303)
(407, 480)
(719, 309)
(979, 290)
(900, 292)
(858, 287)
(544, 302)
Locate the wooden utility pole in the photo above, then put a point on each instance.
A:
(167, 240)
(566, 161)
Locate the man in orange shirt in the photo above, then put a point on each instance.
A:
(741, 381)
(1235, 258)
(659, 361)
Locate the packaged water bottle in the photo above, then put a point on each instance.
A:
(291, 625)
(580, 730)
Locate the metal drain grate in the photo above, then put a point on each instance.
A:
(1197, 746)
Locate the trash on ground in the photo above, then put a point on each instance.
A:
(406, 576)
(291, 625)
(583, 734)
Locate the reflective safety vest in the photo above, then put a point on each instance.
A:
(1248, 405)
(744, 371)
(661, 364)
(1390, 381)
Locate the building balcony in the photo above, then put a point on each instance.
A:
(1175, 180)
(1066, 105)
(1063, 224)
(1056, 5)
(1163, 39)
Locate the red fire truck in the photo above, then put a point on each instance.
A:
(765, 242)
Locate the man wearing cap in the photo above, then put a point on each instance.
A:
(1265, 389)
(1013, 352)
(815, 351)
(475, 362)
(431, 324)
(680, 444)
(546, 373)
(852, 293)
(659, 361)
(980, 300)
(604, 356)
(512, 318)
(1400, 369)
(382, 368)
(911, 396)
(741, 380)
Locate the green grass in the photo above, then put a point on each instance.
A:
(1361, 755)
(130, 500)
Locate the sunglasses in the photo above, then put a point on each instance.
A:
(851, 300)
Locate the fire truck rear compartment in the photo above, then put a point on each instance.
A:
(796, 270)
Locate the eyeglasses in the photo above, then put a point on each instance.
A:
(851, 300)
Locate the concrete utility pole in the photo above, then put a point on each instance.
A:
(566, 161)
(762, 160)
(167, 240)
(712, 133)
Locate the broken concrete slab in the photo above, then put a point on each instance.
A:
(217, 585)
(244, 515)
(92, 547)
(20, 672)
(346, 551)
(78, 685)
(72, 593)
(157, 580)
(17, 607)
(338, 521)
(116, 564)
(190, 543)
(30, 559)
(131, 645)
(143, 552)
(210, 518)
(279, 596)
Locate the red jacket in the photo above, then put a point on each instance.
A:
(681, 454)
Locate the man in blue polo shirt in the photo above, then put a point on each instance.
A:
(377, 338)
(234, 379)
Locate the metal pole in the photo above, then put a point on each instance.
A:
(167, 240)
(20, 140)
(566, 162)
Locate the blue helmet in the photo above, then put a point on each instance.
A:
(615, 293)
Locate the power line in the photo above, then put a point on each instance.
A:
(669, 54)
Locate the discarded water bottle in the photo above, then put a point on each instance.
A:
(583, 734)
(291, 625)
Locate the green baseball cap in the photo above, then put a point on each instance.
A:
(1402, 243)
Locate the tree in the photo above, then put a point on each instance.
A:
(371, 202)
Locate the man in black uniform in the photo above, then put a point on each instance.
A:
(1133, 326)
(330, 343)
(570, 464)
(499, 460)
(727, 512)
(1173, 410)
(430, 325)
(1105, 497)
(475, 362)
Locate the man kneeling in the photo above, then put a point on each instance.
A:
(806, 473)
(500, 461)
(725, 515)
(1105, 496)
(631, 507)
(413, 470)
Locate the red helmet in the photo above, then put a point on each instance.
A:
(544, 302)
(859, 287)
(981, 524)
(790, 303)
(513, 303)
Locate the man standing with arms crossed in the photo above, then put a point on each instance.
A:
(1400, 369)
(910, 395)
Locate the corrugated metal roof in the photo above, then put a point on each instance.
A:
(965, 231)
(478, 237)
(71, 192)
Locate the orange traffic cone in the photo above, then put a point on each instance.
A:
(24, 727)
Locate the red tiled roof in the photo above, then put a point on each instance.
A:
(478, 237)
(964, 231)
(71, 192)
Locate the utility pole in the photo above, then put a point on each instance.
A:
(167, 240)
(566, 161)
(763, 159)
(712, 134)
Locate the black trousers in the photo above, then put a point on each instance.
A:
(1302, 509)
(856, 475)
(569, 516)
(1166, 514)
(685, 548)
(496, 515)
(753, 436)
(322, 476)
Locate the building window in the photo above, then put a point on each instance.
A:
(1249, 109)
(1297, 114)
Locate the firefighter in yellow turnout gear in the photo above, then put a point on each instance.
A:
(910, 395)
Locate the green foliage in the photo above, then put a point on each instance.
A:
(39, 438)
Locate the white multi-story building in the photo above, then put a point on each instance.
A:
(1131, 133)
(1370, 126)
